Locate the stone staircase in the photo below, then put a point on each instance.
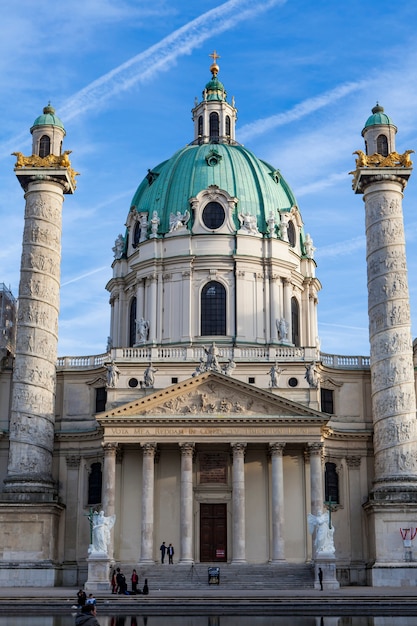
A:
(240, 577)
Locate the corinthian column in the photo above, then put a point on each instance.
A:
(278, 546)
(238, 499)
(186, 504)
(148, 480)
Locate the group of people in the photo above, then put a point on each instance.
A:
(119, 584)
(88, 608)
(167, 550)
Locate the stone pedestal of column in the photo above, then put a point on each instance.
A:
(98, 572)
(327, 563)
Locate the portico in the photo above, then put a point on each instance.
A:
(220, 457)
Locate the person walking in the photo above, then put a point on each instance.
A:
(171, 554)
(163, 549)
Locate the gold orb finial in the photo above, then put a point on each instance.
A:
(214, 68)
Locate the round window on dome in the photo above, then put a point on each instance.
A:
(213, 215)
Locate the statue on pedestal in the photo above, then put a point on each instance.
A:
(101, 527)
(320, 523)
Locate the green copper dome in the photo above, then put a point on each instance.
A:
(48, 118)
(378, 117)
(258, 187)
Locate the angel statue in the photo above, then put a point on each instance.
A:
(177, 220)
(323, 541)
(101, 532)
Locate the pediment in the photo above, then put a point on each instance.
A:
(214, 394)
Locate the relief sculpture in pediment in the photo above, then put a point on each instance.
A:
(212, 399)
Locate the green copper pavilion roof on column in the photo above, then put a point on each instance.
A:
(48, 118)
(378, 117)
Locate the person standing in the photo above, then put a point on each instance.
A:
(163, 549)
(135, 579)
(171, 554)
(321, 578)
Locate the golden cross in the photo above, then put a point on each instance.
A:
(214, 56)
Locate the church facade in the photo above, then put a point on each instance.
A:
(213, 422)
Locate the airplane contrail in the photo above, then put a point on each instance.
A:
(249, 131)
(160, 56)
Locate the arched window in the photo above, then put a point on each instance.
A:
(200, 126)
(136, 235)
(331, 484)
(382, 145)
(214, 127)
(132, 323)
(295, 322)
(213, 309)
(291, 234)
(95, 480)
(227, 125)
(44, 146)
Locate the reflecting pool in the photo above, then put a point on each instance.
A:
(212, 620)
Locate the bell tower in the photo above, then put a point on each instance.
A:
(29, 503)
(381, 175)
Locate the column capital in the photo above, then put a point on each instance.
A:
(187, 448)
(315, 449)
(276, 448)
(110, 448)
(238, 449)
(149, 449)
(353, 461)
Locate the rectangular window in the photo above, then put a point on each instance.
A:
(327, 400)
(101, 399)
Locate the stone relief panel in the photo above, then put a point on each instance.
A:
(39, 314)
(41, 206)
(36, 260)
(385, 233)
(382, 206)
(390, 372)
(32, 430)
(391, 402)
(396, 462)
(35, 371)
(214, 399)
(32, 399)
(383, 261)
(394, 431)
(36, 232)
(385, 315)
(393, 285)
(391, 343)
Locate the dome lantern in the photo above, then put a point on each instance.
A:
(214, 118)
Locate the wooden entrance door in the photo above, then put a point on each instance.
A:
(213, 532)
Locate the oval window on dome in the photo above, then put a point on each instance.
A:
(213, 215)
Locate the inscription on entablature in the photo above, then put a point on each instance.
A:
(222, 430)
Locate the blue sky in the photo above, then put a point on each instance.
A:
(123, 75)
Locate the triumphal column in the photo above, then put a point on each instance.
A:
(29, 509)
(381, 176)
